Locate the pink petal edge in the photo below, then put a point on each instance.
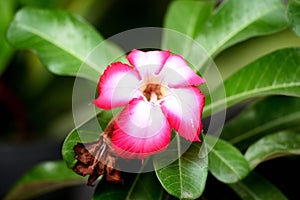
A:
(140, 131)
(117, 86)
(177, 73)
(183, 108)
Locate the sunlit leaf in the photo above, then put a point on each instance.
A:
(228, 63)
(238, 20)
(260, 119)
(294, 15)
(185, 178)
(62, 41)
(225, 161)
(277, 73)
(255, 187)
(273, 146)
(192, 18)
(43, 178)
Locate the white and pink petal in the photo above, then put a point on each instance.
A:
(117, 86)
(177, 73)
(141, 130)
(148, 63)
(183, 108)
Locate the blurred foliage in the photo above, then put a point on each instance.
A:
(39, 93)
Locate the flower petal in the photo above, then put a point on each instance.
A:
(183, 108)
(176, 73)
(117, 86)
(141, 130)
(148, 63)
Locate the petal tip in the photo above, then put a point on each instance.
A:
(197, 139)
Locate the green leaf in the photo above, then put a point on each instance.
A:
(273, 146)
(43, 178)
(260, 119)
(6, 14)
(293, 14)
(277, 73)
(238, 20)
(142, 186)
(185, 178)
(255, 187)
(192, 18)
(240, 55)
(62, 41)
(87, 132)
(225, 161)
(146, 187)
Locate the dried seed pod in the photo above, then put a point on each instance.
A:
(97, 158)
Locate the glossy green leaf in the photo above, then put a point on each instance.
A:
(236, 57)
(273, 146)
(6, 14)
(294, 15)
(185, 178)
(255, 187)
(238, 20)
(260, 119)
(225, 161)
(87, 132)
(192, 18)
(62, 41)
(144, 186)
(277, 73)
(43, 178)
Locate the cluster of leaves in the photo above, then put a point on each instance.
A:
(255, 46)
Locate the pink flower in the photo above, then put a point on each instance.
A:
(158, 90)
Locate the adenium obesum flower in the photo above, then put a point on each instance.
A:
(158, 91)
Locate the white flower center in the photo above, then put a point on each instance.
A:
(154, 92)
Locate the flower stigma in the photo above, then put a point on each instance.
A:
(154, 92)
